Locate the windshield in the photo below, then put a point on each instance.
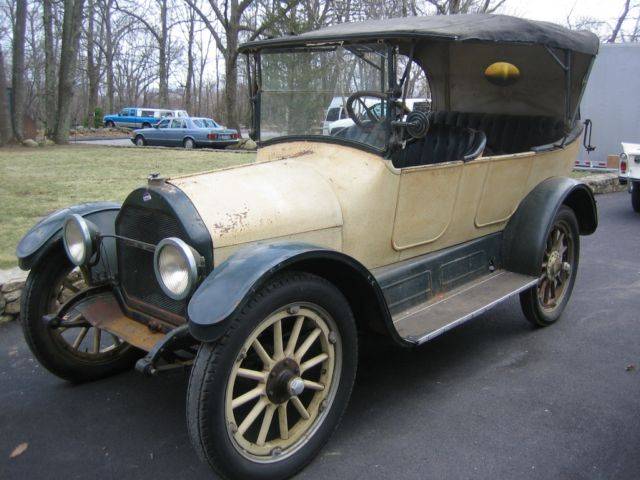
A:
(304, 92)
(204, 123)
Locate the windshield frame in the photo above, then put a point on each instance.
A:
(254, 74)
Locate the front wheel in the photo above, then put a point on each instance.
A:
(109, 124)
(140, 141)
(635, 196)
(265, 398)
(78, 352)
(544, 303)
(189, 143)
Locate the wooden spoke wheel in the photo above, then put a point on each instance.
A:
(76, 350)
(544, 303)
(265, 397)
(283, 381)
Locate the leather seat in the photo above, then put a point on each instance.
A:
(443, 143)
(506, 133)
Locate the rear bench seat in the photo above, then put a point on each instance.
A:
(505, 133)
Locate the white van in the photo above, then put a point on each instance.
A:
(337, 118)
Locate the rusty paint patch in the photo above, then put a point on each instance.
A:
(301, 153)
(234, 222)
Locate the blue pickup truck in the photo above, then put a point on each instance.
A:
(133, 117)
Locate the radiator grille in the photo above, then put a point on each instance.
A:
(135, 265)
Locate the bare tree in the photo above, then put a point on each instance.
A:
(5, 118)
(49, 68)
(17, 70)
(71, 29)
(93, 65)
(230, 17)
(621, 19)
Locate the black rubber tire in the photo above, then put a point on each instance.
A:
(207, 383)
(146, 125)
(45, 348)
(635, 196)
(193, 142)
(140, 137)
(109, 124)
(529, 301)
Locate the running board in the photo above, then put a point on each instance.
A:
(423, 322)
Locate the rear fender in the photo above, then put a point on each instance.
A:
(526, 233)
(47, 233)
(229, 287)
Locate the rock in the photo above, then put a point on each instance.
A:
(29, 142)
(3, 303)
(12, 308)
(12, 285)
(249, 145)
(80, 128)
(6, 319)
(12, 296)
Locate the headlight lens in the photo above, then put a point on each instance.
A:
(176, 267)
(79, 238)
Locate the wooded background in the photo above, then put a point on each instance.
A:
(69, 62)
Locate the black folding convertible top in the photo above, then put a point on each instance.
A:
(453, 28)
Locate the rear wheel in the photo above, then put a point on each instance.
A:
(109, 124)
(189, 143)
(78, 352)
(146, 125)
(544, 303)
(140, 141)
(265, 398)
(635, 196)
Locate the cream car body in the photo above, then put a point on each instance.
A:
(406, 225)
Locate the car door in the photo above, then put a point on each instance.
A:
(175, 133)
(155, 135)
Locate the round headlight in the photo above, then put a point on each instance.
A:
(79, 239)
(176, 267)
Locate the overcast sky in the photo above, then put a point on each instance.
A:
(557, 10)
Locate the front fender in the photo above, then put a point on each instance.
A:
(525, 235)
(229, 286)
(47, 233)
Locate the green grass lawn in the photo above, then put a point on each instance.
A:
(35, 182)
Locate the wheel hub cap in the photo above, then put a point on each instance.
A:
(284, 380)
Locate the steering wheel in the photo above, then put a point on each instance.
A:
(370, 118)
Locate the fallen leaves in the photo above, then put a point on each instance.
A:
(19, 450)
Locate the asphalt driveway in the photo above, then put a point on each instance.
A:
(492, 399)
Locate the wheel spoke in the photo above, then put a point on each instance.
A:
(313, 362)
(247, 397)
(307, 343)
(252, 374)
(278, 349)
(293, 339)
(266, 423)
(262, 353)
(81, 334)
(116, 339)
(283, 422)
(301, 410)
(66, 283)
(97, 336)
(312, 385)
(252, 415)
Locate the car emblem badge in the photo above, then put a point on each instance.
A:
(146, 197)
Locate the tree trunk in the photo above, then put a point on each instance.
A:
(621, 19)
(188, 89)
(17, 70)
(71, 27)
(5, 118)
(92, 68)
(163, 71)
(49, 69)
(109, 57)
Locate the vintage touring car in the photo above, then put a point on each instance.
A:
(407, 223)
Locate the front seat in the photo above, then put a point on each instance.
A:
(443, 143)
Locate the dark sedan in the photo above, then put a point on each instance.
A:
(189, 132)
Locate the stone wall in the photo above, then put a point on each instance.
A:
(10, 293)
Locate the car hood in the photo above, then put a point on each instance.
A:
(262, 201)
